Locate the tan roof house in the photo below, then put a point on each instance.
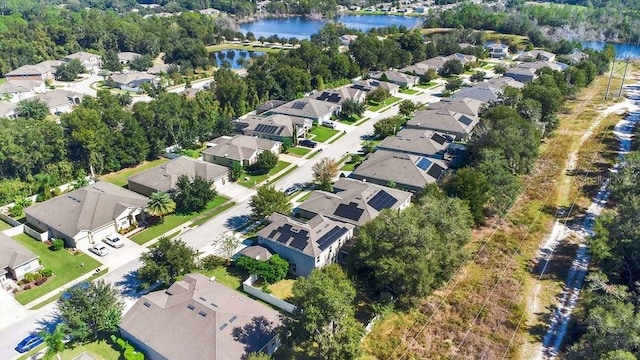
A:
(275, 127)
(133, 80)
(461, 105)
(340, 95)
(354, 202)
(421, 142)
(305, 245)
(31, 72)
(164, 177)
(456, 124)
(372, 84)
(91, 62)
(15, 260)
(226, 150)
(60, 101)
(309, 108)
(396, 77)
(88, 214)
(199, 319)
(18, 90)
(126, 56)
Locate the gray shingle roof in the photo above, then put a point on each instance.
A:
(7, 108)
(307, 107)
(58, 97)
(165, 177)
(239, 147)
(257, 252)
(13, 254)
(129, 77)
(371, 84)
(462, 105)
(396, 77)
(417, 141)
(86, 209)
(82, 56)
(198, 319)
(17, 86)
(485, 94)
(444, 120)
(127, 56)
(348, 191)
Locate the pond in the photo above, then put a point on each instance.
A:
(236, 59)
(622, 50)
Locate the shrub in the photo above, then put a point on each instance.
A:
(211, 262)
(265, 288)
(57, 244)
(41, 281)
(29, 277)
(26, 287)
(16, 211)
(128, 351)
(47, 272)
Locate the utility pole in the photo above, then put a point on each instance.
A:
(624, 75)
(613, 66)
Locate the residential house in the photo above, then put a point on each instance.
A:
(399, 170)
(463, 58)
(132, 81)
(277, 127)
(372, 84)
(537, 65)
(575, 57)
(466, 106)
(226, 150)
(60, 101)
(464, 45)
(498, 50)
(456, 124)
(534, 55)
(418, 142)
(354, 202)
(269, 105)
(309, 108)
(125, 57)
(89, 214)
(158, 69)
(502, 82)
(18, 90)
(8, 110)
(523, 75)
(396, 77)
(92, 62)
(164, 177)
(305, 245)
(15, 260)
(200, 319)
(340, 95)
(256, 252)
(422, 67)
(40, 72)
(346, 39)
(484, 94)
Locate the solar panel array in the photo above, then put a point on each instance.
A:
(423, 163)
(297, 239)
(382, 200)
(438, 138)
(329, 97)
(299, 105)
(351, 211)
(435, 171)
(465, 120)
(332, 236)
(268, 129)
(360, 87)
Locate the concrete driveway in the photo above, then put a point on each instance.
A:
(116, 257)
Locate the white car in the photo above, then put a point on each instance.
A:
(99, 249)
(114, 241)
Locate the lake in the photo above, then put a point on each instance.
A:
(622, 50)
(302, 28)
(236, 59)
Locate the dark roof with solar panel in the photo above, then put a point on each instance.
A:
(332, 236)
(423, 163)
(269, 129)
(299, 105)
(329, 97)
(465, 120)
(438, 138)
(435, 171)
(285, 234)
(351, 211)
(382, 200)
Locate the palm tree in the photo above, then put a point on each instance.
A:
(55, 340)
(160, 204)
(45, 182)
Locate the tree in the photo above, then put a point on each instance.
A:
(324, 171)
(323, 325)
(90, 309)
(261, 356)
(407, 107)
(45, 184)
(454, 84)
(500, 69)
(69, 71)
(141, 63)
(160, 204)
(193, 195)
(389, 126)
(504, 186)
(235, 172)
(271, 271)
(227, 244)
(165, 261)
(478, 76)
(34, 109)
(268, 200)
(54, 340)
(111, 61)
(470, 185)
(352, 107)
(452, 67)
(265, 162)
(378, 95)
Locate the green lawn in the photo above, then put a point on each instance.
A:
(172, 221)
(4, 225)
(206, 217)
(101, 349)
(283, 289)
(362, 121)
(337, 137)
(3, 80)
(120, 177)
(66, 267)
(488, 66)
(350, 120)
(350, 166)
(429, 85)
(44, 303)
(409, 91)
(322, 133)
(230, 276)
(250, 180)
(299, 151)
(383, 104)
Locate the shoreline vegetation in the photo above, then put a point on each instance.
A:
(320, 17)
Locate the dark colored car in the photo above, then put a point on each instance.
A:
(29, 343)
(308, 143)
(83, 285)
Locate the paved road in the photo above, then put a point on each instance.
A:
(122, 271)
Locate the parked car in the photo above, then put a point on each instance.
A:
(308, 143)
(329, 124)
(114, 241)
(83, 285)
(99, 249)
(291, 190)
(29, 343)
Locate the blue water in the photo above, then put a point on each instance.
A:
(622, 50)
(302, 28)
(236, 59)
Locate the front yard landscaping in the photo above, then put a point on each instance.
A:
(250, 180)
(429, 85)
(229, 276)
(377, 106)
(120, 177)
(350, 120)
(65, 265)
(409, 91)
(172, 221)
(298, 151)
(322, 133)
(4, 225)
